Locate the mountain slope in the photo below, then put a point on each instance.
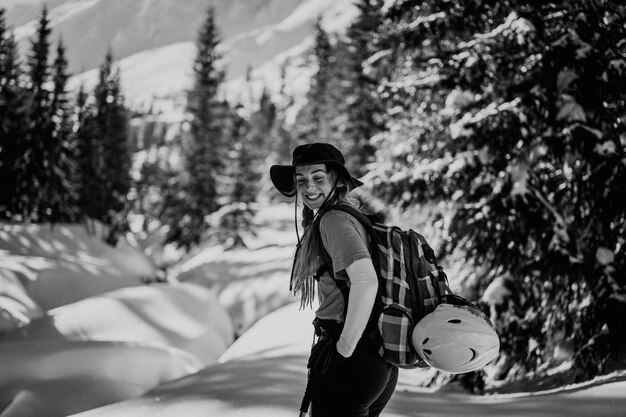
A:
(154, 40)
(90, 27)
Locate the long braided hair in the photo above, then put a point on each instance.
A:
(307, 258)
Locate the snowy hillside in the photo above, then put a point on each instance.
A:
(90, 27)
(154, 40)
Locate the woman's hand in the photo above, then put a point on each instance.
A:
(325, 355)
(337, 357)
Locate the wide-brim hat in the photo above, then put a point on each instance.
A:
(310, 154)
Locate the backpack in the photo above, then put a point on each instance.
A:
(410, 285)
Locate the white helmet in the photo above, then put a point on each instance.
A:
(456, 339)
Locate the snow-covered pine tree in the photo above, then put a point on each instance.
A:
(509, 113)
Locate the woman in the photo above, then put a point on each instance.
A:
(347, 377)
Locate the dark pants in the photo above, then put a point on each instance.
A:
(359, 386)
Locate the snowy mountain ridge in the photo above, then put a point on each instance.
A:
(153, 41)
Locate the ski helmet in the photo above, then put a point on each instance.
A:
(456, 339)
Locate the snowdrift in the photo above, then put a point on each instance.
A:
(80, 329)
(183, 316)
(56, 378)
(263, 375)
(249, 282)
(16, 305)
(46, 266)
(110, 347)
(287, 331)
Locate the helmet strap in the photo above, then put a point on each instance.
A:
(295, 217)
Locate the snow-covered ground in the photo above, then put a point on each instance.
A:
(167, 349)
(79, 328)
(182, 316)
(263, 375)
(249, 282)
(50, 266)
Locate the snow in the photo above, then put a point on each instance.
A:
(7, 3)
(43, 267)
(183, 316)
(89, 331)
(58, 378)
(496, 292)
(164, 72)
(280, 333)
(56, 15)
(263, 375)
(110, 347)
(161, 349)
(336, 17)
(150, 74)
(249, 283)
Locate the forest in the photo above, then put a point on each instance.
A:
(503, 120)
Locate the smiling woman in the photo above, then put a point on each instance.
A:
(347, 377)
(313, 184)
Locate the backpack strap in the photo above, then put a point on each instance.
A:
(327, 262)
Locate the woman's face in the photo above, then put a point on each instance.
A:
(313, 184)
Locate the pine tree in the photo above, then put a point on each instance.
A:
(263, 121)
(506, 114)
(113, 153)
(205, 160)
(37, 153)
(205, 152)
(284, 138)
(103, 152)
(323, 117)
(246, 152)
(363, 111)
(12, 125)
(61, 197)
(320, 83)
(234, 218)
(87, 153)
(311, 118)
